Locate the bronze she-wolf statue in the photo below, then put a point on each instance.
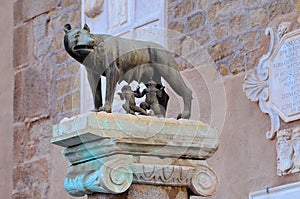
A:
(122, 59)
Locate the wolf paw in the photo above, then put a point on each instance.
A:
(184, 115)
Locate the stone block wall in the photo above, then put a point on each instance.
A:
(232, 31)
(47, 88)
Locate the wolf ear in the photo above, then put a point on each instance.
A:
(67, 28)
(86, 27)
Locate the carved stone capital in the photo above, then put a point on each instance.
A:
(109, 152)
(109, 175)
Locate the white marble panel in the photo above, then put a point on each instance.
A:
(288, 191)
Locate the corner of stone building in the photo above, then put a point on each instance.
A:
(46, 90)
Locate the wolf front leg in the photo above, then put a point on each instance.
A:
(95, 84)
(112, 78)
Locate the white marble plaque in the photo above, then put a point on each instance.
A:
(275, 84)
(285, 77)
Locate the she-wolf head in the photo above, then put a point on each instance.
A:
(78, 42)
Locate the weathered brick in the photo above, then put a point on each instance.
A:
(39, 27)
(60, 106)
(61, 57)
(252, 58)
(18, 97)
(237, 65)
(21, 139)
(177, 26)
(188, 45)
(36, 91)
(258, 17)
(57, 41)
(252, 3)
(227, 9)
(73, 68)
(41, 129)
(76, 83)
(31, 93)
(67, 69)
(68, 3)
(196, 21)
(27, 9)
(183, 9)
(71, 102)
(21, 44)
(200, 4)
(201, 37)
(247, 41)
(238, 24)
(297, 5)
(75, 17)
(221, 50)
(221, 30)
(76, 100)
(279, 7)
(63, 87)
(212, 11)
(223, 70)
(62, 20)
(42, 47)
(68, 103)
(27, 176)
(22, 194)
(38, 38)
(174, 45)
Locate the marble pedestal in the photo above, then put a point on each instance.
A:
(109, 152)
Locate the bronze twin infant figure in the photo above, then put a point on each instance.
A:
(156, 99)
(130, 60)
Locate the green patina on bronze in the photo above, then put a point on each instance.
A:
(122, 59)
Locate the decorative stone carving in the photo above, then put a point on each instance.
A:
(109, 152)
(275, 85)
(283, 28)
(204, 181)
(93, 8)
(276, 81)
(257, 88)
(288, 147)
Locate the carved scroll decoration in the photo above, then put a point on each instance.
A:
(93, 8)
(256, 87)
(114, 176)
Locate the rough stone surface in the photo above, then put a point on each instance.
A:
(26, 9)
(46, 89)
(218, 25)
(20, 53)
(146, 192)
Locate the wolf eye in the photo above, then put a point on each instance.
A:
(77, 35)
